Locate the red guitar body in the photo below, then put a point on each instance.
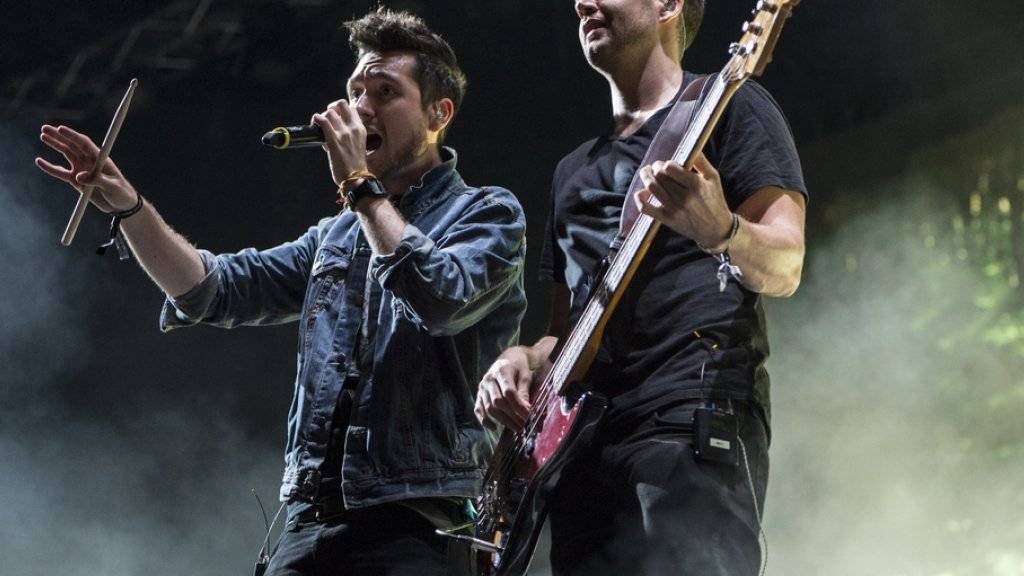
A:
(513, 508)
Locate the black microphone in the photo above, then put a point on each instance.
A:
(294, 137)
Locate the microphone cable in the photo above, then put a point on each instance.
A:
(263, 556)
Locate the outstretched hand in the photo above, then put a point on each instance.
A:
(115, 193)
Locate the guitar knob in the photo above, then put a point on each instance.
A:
(528, 448)
(765, 6)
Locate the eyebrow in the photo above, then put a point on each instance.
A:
(375, 72)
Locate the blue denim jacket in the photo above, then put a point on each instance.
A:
(439, 309)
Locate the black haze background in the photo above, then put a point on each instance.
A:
(897, 449)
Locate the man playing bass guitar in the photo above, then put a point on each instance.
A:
(683, 354)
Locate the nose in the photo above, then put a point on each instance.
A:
(585, 8)
(362, 106)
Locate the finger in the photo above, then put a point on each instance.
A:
(481, 416)
(646, 207)
(502, 413)
(510, 401)
(656, 190)
(56, 171)
(59, 146)
(337, 104)
(342, 109)
(703, 167)
(498, 408)
(483, 396)
(97, 179)
(80, 141)
(641, 197)
(673, 174)
(324, 124)
(646, 175)
(514, 402)
(54, 134)
(335, 120)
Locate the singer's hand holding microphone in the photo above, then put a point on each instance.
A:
(338, 130)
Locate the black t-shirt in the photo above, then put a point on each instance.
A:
(674, 336)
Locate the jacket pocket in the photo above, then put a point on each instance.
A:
(330, 267)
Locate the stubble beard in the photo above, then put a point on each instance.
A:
(604, 55)
(405, 160)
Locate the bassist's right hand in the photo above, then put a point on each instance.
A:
(503, 396)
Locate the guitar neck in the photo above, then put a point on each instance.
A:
(582, 343)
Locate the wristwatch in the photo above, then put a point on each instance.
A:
(368, 188)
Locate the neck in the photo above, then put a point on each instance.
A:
(399, 181)
(641, 86)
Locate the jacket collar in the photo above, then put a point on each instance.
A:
(432, 185)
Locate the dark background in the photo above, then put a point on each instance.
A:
(125, 450)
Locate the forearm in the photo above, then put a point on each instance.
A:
(449, 281)
(382, 224)
(770, 258)
(170, 260)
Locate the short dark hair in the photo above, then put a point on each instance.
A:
(689, 23)
(437, 70)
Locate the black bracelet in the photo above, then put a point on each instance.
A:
(115, 239)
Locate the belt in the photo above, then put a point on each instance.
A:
(321, 510)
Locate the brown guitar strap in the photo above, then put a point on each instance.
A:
(662, 147)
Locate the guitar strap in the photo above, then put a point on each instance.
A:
(662, 147)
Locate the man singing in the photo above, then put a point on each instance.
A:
(642, 501)
(403, 299)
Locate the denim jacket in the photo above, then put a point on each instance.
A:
(433, 314)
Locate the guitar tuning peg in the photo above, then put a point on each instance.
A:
(736, 48)
(752, 28)
(765, 6)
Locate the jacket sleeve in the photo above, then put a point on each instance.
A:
(248, 288)
(449, 284)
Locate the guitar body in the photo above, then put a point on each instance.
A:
(513, 506)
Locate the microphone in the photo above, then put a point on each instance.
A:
(294, 137)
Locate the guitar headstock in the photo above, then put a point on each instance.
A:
(754, 50)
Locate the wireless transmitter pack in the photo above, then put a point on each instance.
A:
(716, 432)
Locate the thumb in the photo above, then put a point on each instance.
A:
(703, 167)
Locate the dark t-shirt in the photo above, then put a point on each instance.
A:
(674, 336)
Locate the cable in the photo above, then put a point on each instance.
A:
(762, 540)
(263, 554)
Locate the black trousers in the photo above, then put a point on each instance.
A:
(640, 502)
(384, 540)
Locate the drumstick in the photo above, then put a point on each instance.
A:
(108, 143)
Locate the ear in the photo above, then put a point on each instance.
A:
(670, 9)
(439, 114)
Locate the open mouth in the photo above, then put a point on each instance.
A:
(373, 142)
(590, 25)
